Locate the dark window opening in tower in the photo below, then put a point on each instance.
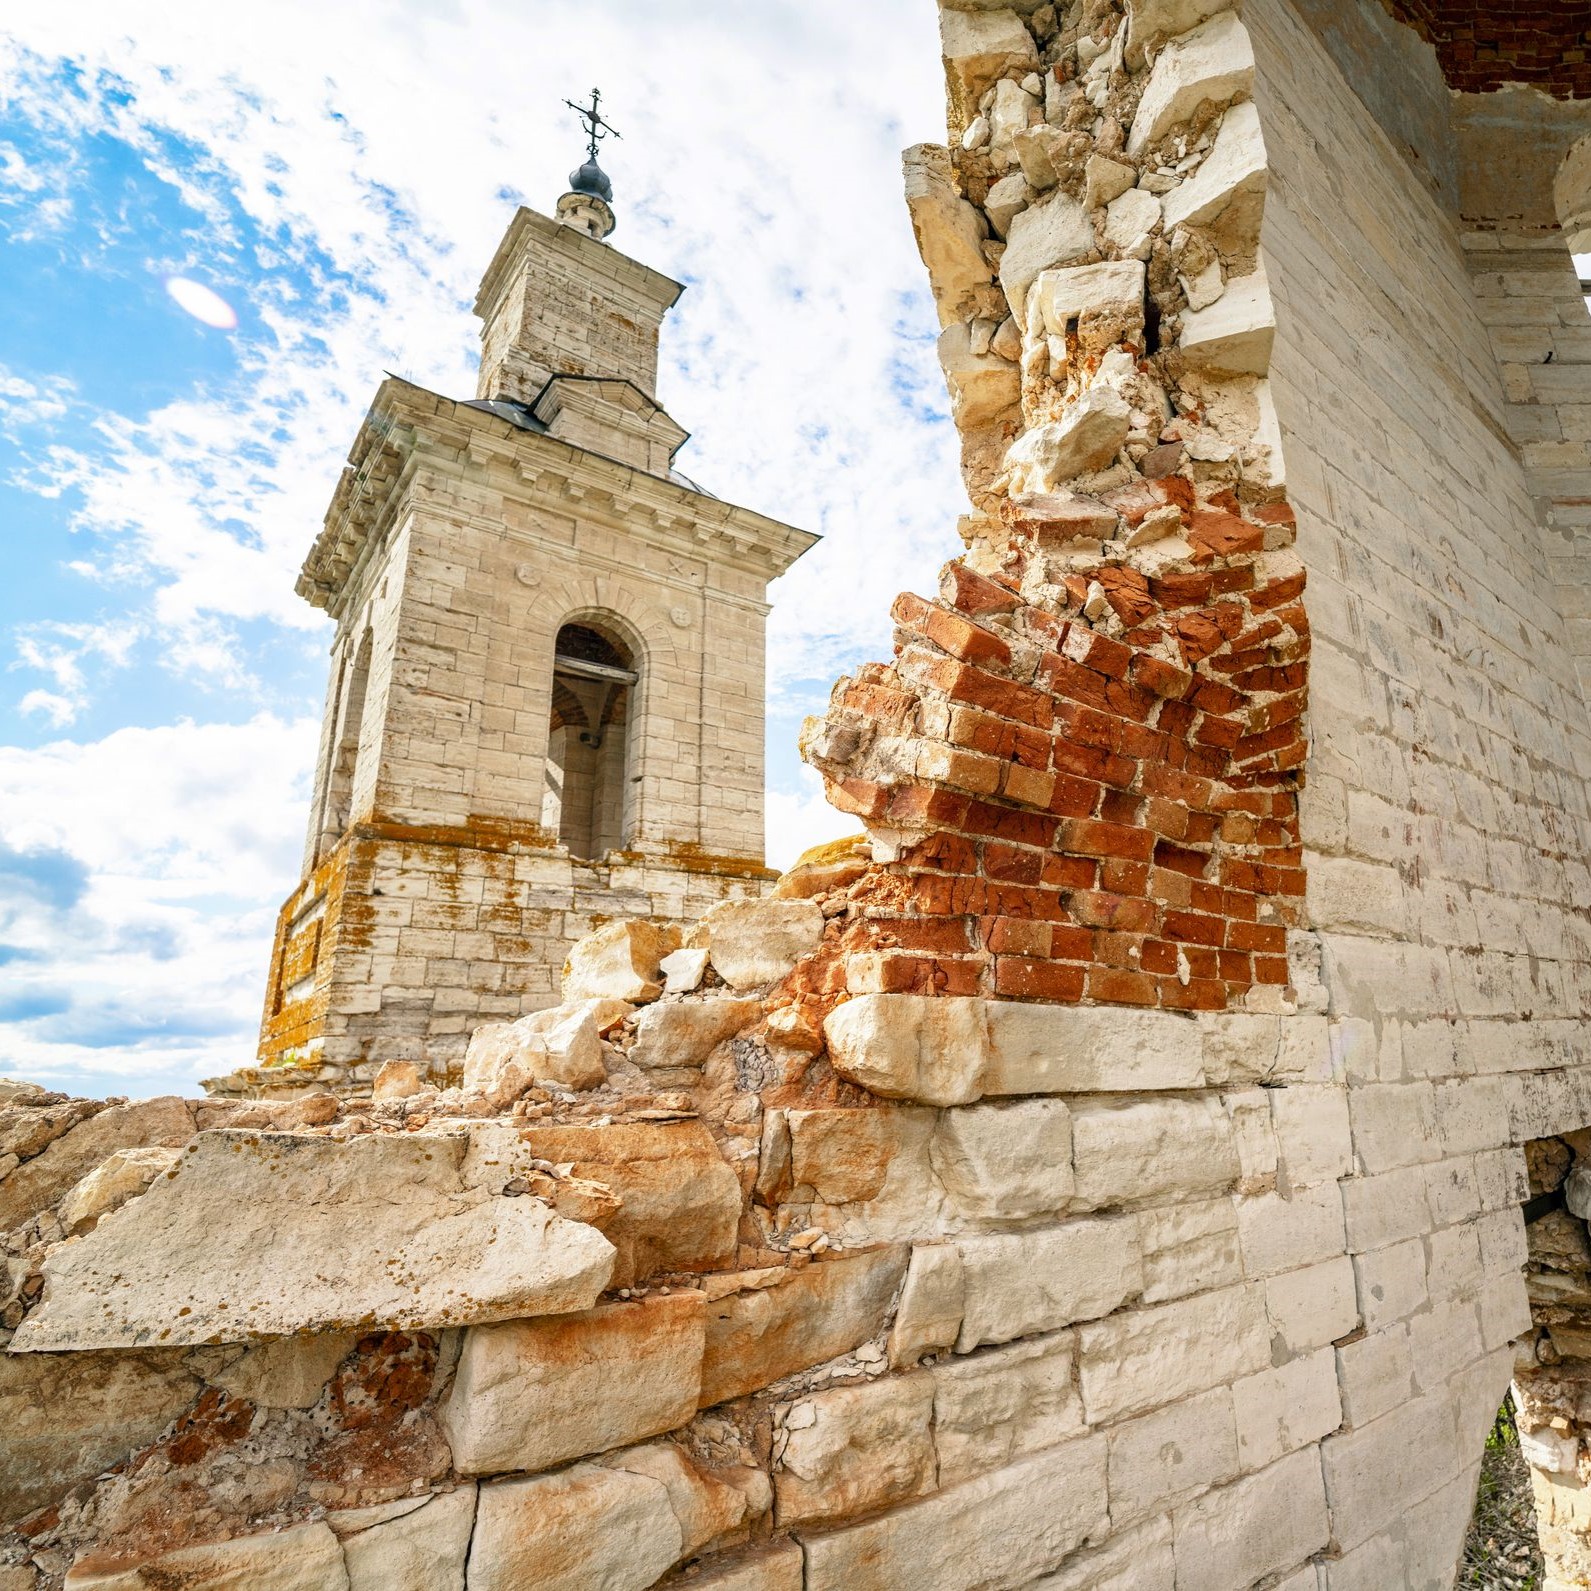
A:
(593, 679)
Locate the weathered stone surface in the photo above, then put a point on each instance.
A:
(1087, 437)
(38, 1183)
(1227, 190)
(909, 1046)
(1002, 1529)
(778, 1566)
(1210, 65)
(953, 1050)
(680, 1201)
(949, 233)
(286, 1373)
(845, 1156)
(994, 1407)
(983, 386)
(1055, 231)
(853, 1449)
(1188, 1248)
(1109, 295)
(578, 1529)
(300, 1558)
(1020, 1283)
(1254, 1527)
(65, 1418)
(1005, 1162)
(1049, 1049)
(618, 962)
(236, 1245)
(758, 1334)
(756, 942)
(1150, 21)
(685, 1032)
(123, 1176)
(1131, 220)
(980, 46)
(1124, 1153)
(1160, 1459)
(928, 1318)
(1234, 335)
(419, 1551)
(561, 1045)
(1279, 1411)
(529, 1394)
(1139, 1559)
(704, 1506)
(1144, 1358)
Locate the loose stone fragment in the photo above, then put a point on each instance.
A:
(1228, 189)
(1086, 438)
(618, 962)
(1234, 335)
(110, 1185)
(1055, 231)
(36, 1184)
(1210, 65)
(300, 1558)
(979, 47)
(756, 942)
(949, 233)
(685, 1032)
(234, 1246)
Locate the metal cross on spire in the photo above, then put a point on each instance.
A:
(591, 119)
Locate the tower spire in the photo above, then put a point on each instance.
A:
(588, 206)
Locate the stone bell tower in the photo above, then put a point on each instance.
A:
(545, 707)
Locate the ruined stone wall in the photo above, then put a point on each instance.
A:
(848, 1240)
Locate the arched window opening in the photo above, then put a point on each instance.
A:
(593, 679)
(343, 759)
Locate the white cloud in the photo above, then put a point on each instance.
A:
(801, 818)
(63, 652)
(138, 880)
(24, 402)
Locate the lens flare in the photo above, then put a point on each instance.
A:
(202, 303)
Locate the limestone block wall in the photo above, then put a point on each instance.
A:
(433, 897)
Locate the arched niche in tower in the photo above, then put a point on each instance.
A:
(596, 680)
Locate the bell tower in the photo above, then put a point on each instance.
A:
(546, 699)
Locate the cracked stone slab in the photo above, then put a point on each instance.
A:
(264, 1234)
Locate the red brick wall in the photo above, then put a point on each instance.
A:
(1085, 817)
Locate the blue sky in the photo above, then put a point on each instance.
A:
(339, 176)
